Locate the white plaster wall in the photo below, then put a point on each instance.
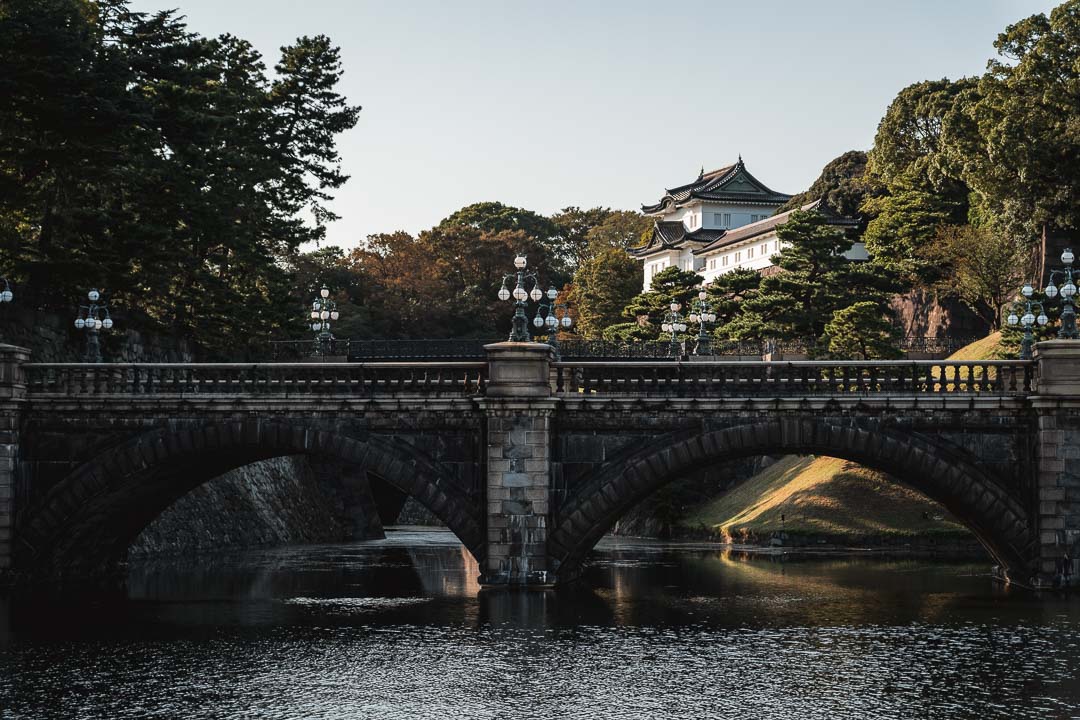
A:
(753, 254)
(740, 214)
(857, 252)
(683, 259)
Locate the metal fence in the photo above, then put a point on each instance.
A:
(466, 349)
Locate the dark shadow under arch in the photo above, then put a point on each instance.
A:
(90, 517)
(996, 518)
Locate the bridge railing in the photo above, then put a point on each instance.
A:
(45, 380)
(795, 379)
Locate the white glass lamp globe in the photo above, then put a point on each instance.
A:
(325, 292)
(520, 262)
(334, 314)
(93, 295)
(6, 296)
(314, 314)
(504, 294)
(711, 317)
(1068, 290)
(1012, 319)
(1042, 319)
(551, 321)
(1028, 320)
(107, 323)
(538, 321)
(675, 307)
(1051, 290)
(324, 315)
(80, 323)
(682, 327)
(316, 326)
(566, 321)
(1027, 290)
(702, 295)
(519, 293)
(665, 327)
(552, 293)
(1067, 257)
(536, 294)
(97, 324)
(694, 317)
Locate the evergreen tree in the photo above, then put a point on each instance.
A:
(166, 167)
(815, 280)
(861, 332)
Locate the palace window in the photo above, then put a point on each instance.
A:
(727, 220)
(724, 260)
(750, 253)
(738, 257)
(712, 263)
(764, 248)
(754, 218)
(718, 220)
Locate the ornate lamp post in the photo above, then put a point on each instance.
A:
(554, 316)
(702, 314)
(1068, 291)
(6, 295)
(93, 318)
(673, 323)
(1027, 320)
(519, 330)
(323, 310)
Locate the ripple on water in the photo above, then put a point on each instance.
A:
(714, 639)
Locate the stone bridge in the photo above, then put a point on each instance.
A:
(530, 460)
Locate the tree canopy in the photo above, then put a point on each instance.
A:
(170, 169)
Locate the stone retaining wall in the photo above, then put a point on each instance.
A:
(273, 502)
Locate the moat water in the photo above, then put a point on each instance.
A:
(398, 629)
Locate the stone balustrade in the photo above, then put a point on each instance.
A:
(795, 379)
(61, 380)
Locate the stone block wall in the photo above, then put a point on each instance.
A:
(273, 502)
(518, 492)
(12, 401)
(9, 445)
(1058, 453)
(52, 337)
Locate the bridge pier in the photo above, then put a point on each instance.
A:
(12, 399)
(1057, 452)
(518, 407)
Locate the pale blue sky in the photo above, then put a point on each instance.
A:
(549, 104)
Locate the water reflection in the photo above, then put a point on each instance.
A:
(399, 628)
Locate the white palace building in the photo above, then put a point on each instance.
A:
(720, 222)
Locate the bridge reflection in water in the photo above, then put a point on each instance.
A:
(395, 628)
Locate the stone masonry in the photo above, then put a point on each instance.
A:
(519, 410)
(12, 400)
(523, 460)
(1058, 460)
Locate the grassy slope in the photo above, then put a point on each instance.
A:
(824, 496)
(986, 349)
(828, 496)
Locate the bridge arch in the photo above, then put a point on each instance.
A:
(91, 516)
(942, 473)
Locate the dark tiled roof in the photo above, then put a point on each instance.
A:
(746, 232)
(712, 186)
(672, 234)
